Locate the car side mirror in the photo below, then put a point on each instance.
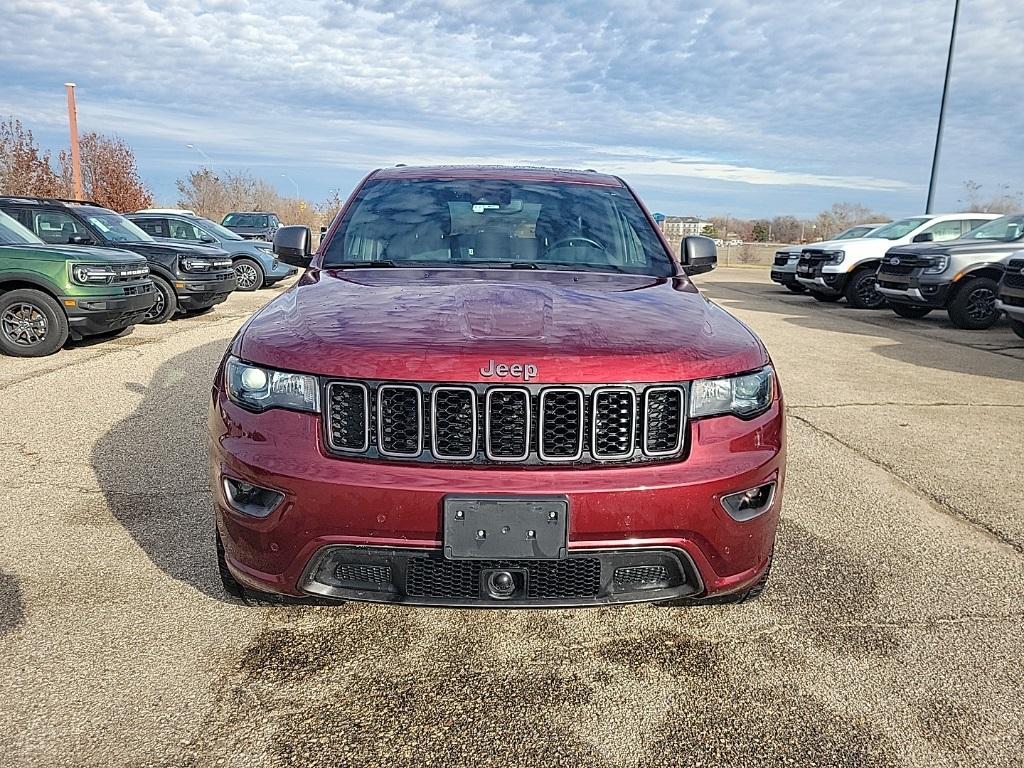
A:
(698, 254)
(291, 244)
(79, 240)
(207, 239)
(924, 237)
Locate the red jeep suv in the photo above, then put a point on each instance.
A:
(496, 387)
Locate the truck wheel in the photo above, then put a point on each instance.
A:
(1017, 326)
(973, 308)
(910, 311)
(861, 291)
(795, 288)
(166, 303)
(32, 323)
(826, 298)
(248, 274)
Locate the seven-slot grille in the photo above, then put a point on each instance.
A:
(530, 424)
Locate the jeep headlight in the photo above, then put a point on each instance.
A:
(744, 396)
(92, 274)
(835, 257)
(189, 264)
(259, 389)
(938, 266)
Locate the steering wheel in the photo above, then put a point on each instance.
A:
(571, 241)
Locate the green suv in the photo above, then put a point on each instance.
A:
(49, 293)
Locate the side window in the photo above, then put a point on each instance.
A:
(970, 224)
(154, 227)
(184, 230)
(57, 227)
(274, 222)
(944, 230)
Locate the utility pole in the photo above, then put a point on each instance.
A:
(942, 110)
(76, 160)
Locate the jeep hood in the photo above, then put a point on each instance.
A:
(83, 253)
(160, 247)
(963, 247)
(447, 325)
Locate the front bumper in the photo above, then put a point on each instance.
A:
(830, 283)
(392, 512)
(194, 294)
(1011, 301)
(784, 275)
(911, 289)
(101, 314)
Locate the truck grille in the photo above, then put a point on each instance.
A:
(1014, 275)
(781, 259)
(530, 424)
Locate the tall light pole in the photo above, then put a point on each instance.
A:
(286, 176)
(76, 159)
(942, 110)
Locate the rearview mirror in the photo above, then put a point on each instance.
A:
(924, 237)
(698, 254)
(291, 244)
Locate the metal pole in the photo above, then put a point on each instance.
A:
(76, 159)
(942, 110)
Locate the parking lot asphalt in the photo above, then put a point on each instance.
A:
(892, 632)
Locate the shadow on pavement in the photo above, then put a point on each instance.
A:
(151, 466)
(934, 340)
(12, 606)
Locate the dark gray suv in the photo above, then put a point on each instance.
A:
(253, 225)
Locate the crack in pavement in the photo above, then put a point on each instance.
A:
(939, 505)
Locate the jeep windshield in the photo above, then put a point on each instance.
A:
(246, 220)
(900, 228)
(13, 233)
(1006, 229)
(486, 223)
(116, 228)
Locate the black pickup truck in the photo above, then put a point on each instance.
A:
(186, 277)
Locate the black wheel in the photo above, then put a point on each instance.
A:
(825, 298)
(1017, 326)
(861, 292)
(910, 311)
(165, 305)
(248, 275)
(795, 288)
(32, 323)
(739, 597)
(974, 306)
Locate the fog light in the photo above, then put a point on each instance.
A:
(249, 499)
(748, 504)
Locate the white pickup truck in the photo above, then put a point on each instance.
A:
(838, 268)
(784, 266)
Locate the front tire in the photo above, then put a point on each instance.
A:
(825, 298)
(166, 303)
(909, 311)
(861, 292)
(32, 323)
(795, 288)
(249, 274)
(974, 306)
(1017, 326)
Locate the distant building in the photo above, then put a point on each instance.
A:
(683, 226)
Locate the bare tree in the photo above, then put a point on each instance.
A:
(843, 216)
(109, 174)
(1003, 201)
(24, 168)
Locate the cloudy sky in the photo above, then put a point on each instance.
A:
(746, 107)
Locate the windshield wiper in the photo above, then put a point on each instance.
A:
(363, 264)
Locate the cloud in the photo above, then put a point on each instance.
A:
(828, 98)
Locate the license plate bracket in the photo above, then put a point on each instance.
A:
(512, 527)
